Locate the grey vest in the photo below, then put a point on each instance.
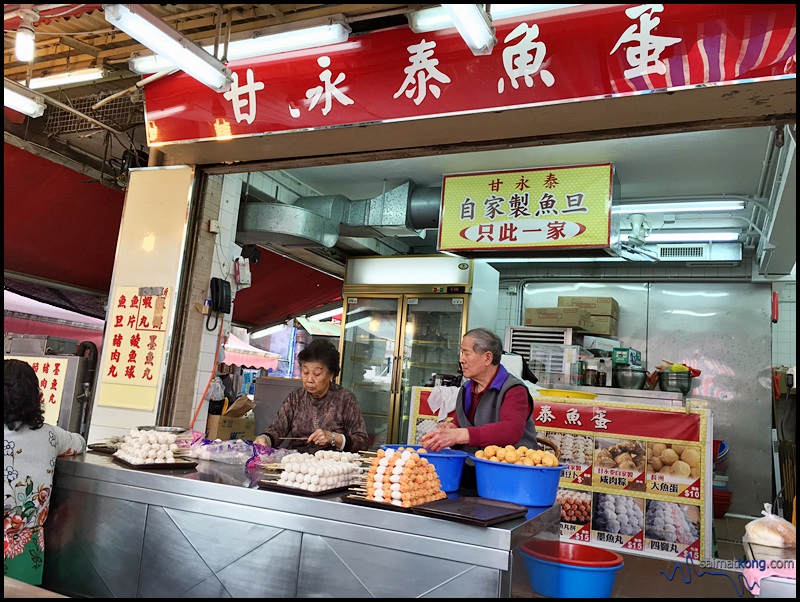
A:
(489, 411)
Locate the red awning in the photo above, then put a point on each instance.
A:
(282, 288)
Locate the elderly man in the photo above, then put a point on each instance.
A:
(493, 406)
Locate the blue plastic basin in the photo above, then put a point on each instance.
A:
(568, 570)
(449, 464)
(524, 485)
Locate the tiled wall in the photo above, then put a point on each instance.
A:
(784, 333)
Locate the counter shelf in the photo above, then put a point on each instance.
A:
(113, 531)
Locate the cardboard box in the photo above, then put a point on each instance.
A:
(626, 355)
(597, 306)
(224, 427)
(599, 343)
(569, 317)
(601, 325)
(232, 425)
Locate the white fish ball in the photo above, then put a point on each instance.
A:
(406, 455)
(396, 495)
(389, 453)
(304, 468)
(380, 470)
(169, 460)
(397, 470)
(152, 453)
(400, 462)
(397, 502)
(383, 461)
(395, 486)
(395, 478)
(149, 460)
(315, 479)
(158, 461)
(304, 486)
(160, 454)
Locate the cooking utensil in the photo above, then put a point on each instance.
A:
(675, 382)
(629, 378)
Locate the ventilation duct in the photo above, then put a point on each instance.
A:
(333, 228)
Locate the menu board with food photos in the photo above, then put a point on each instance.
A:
(637, 477)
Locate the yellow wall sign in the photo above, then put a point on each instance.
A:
(51, 371)
(549, 208)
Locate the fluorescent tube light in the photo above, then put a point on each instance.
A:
(142, 25)
(680, 207)
(68, 78)
(474, 25)
(700, 236)
(285, 41)
(21, 99)
(326, 314)
(554, 259)
(435, 19)
(265, 331)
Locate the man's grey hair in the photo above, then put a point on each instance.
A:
(484, 340)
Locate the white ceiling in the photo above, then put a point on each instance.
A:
(719, 162)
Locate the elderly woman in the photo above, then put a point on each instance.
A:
(493, 406)
(29, 459)
(320, 414)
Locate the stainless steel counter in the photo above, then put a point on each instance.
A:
(120, 532)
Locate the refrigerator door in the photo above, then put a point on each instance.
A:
(433, 327)
(369, 353)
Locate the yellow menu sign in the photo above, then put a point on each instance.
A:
(51, 371)
(549, 208)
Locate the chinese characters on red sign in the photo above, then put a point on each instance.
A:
(391, 75)
(136, 342)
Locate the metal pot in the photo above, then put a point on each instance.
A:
(675, 382)
(628, 377)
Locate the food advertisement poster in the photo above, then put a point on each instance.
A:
(133, 345)
(423, 419)
(637, 477)
(552, 208)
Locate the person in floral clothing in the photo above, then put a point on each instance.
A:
(30, 447)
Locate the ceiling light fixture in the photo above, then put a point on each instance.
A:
(67, 78)
(326, 314)
(265, 331)
(681, 207)
(145, 27)
(21, 99)
(474, 25)
(436, 18)
(699, 236)
(25, 47)
(261, 44)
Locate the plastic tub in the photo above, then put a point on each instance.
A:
(524, 485)
(559, 569)
(449, 464)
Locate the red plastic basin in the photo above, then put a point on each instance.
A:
(571, 553)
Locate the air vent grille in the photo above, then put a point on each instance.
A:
(682, 251)
(519, 339)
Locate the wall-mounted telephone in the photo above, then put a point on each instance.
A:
(220, 301)
(220, 296)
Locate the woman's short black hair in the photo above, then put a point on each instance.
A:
(22, 398)
(323, 352)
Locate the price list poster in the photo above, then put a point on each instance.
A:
(51, 372)
(636, 477)
(134, 343)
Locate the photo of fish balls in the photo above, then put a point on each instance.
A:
(674, 460)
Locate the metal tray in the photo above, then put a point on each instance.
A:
(176, 465)
(269, 486)
(101, 448)
(362, 501)
(479, 511)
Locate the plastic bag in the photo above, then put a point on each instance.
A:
(235, 451)
(216, 390)
(771, 530)
(264, 455)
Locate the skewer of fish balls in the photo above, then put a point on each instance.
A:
(148, 447)
(403, 479)
(310, 473)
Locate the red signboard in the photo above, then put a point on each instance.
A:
(395, 74)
